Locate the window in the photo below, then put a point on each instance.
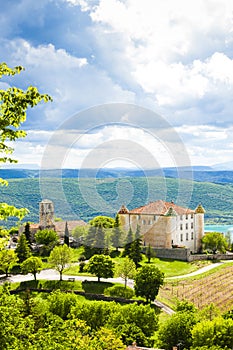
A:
(187, 236)
(181, 237)
(187, 226)
(191, 216)
(187, 216)
(191, 235)
(181, 226)
(181, 217)
(191, 224)
(144, 222)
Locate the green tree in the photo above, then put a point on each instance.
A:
(67, 235)
(143, 323)
(60, 258)
(16, 329)
(128, 243)
(150, 253)
(136, 252)
(28, 234)
(126, 269)
(102, 226)
(217, 332)
(22, 250)
(48, 239)
(215, 241)
(177, 330)
(148, 281)
(117, 233)
(14, 103)
(61, 303)
(8, 259)
(101, 266)
(79, 233)
(32, 265)
(102, 221)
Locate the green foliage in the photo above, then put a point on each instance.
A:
(117, 233)
(67, 236)
(135, 252)
(103, 222)
(184, 306)
(27, 233)
(14, 103)
(60, 257)
(96, 314)
(142, 319)
(61, 303)
(150, 253)
(8, 259)
(119, 291)
(48, 239)
(128, 243)
(177, 329)
(148, 281)
(217, 332)
(32, 265)
(105, 339)
(101, 265)
(215, 241)
(15, 329)
(79, 233)
(27, 191)
(22, 250)
(126, 269)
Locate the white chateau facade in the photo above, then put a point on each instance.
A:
(166, 225)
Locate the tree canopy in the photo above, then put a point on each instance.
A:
(148, 281)
(60, 257)
(215, 241)
(14, 103)
(101, 265)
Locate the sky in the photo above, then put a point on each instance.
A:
(135, 83)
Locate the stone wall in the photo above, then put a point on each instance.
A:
(184, 254)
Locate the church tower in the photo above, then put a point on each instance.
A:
(46, 213)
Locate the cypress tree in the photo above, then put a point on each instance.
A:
(22, 250)
(67, 236)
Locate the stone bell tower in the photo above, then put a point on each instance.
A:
(46, 213)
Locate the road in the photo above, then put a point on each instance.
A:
(50, 274)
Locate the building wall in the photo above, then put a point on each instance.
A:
(167, 231)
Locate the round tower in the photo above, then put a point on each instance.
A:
(46, 214)
(199, 227)
(170, 216)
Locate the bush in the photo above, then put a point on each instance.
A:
(119, 291)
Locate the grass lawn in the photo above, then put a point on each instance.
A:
(169, 267)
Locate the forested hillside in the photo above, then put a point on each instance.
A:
(70, 203)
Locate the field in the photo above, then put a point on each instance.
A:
(215, 287)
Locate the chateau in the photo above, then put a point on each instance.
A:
(166, 225)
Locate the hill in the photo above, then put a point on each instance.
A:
(198, 173)
(85, 198)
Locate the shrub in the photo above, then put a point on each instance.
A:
(119, 291)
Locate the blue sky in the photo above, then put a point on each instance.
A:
(171, 58)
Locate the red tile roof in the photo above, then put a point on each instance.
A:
(160, 208)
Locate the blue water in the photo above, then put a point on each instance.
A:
(219, 228)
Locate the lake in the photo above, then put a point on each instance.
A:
(219, 228)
